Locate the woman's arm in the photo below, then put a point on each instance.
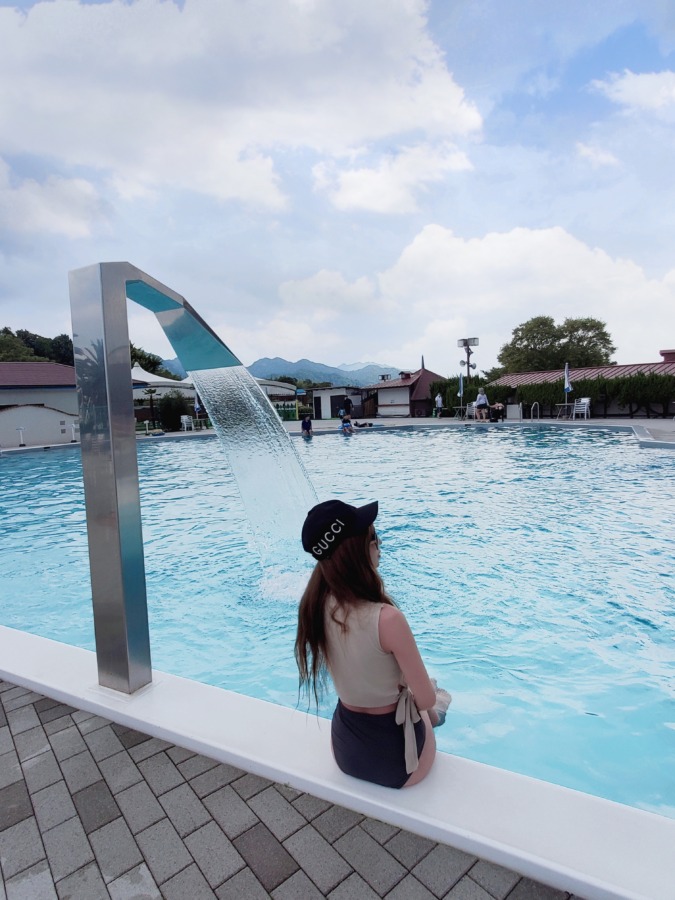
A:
(397, 638)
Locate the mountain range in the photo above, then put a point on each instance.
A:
(367, 373)
(356, 374)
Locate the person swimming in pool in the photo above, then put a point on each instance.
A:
(346, 426)
(350, 627)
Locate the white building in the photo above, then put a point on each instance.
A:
(143, 380)
(38, 401)
(38, 404)
(329, 401)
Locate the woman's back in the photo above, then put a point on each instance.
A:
(364, 674)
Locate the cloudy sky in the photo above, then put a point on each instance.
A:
(345, 180)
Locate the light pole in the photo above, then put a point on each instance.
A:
(467, 344)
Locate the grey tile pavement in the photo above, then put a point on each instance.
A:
(90, 809)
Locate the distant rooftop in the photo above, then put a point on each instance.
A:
(36, 374)
(419, 381)
(516, 379)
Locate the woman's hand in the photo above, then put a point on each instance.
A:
(440, 707)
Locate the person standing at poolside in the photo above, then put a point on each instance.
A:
(439, 404)
(349, 626)
(482, 404)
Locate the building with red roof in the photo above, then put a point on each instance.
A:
(38, 404)
(35, 375)
(38, 383)
(405, 396)
(516, 379)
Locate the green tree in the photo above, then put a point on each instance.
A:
(151, 363)
(493, 374)
(58, 349)
(62, 350)
(26, 346)
(534, 347)
(13, 349)
(586, 342)
(41, 346)
(540, 345)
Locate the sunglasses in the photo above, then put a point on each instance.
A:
(376, 540)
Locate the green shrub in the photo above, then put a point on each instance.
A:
(640, 391)
(633, 392)
(287, 411)
(171, 407)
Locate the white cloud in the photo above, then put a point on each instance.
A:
(200, 98)
(277, 162)
(653, 91)
(390, 186)
(327, 293)
(62, 206)
(444, 287)
(596, 156)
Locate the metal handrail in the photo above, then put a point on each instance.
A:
(536, 403)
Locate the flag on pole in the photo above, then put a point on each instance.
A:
(460, 392)
(568, 383)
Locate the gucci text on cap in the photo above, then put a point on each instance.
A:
(329, 523)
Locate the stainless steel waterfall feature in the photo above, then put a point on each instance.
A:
(98, 297)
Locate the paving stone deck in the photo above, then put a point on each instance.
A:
(90, 809)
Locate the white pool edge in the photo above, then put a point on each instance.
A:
(567, 839)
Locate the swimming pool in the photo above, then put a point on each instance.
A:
(534, 566)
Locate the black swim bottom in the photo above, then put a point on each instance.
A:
(371, 747)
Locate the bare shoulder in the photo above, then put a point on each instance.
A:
(391, 615)
(393, 626)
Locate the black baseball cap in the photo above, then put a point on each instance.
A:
(328, 524)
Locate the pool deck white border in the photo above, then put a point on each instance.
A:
(649, 433)
(567, 839)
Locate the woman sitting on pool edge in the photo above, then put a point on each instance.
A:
(349, 627)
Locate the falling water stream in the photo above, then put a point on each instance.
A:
(273, 484)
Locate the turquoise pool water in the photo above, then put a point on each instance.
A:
(534, 564)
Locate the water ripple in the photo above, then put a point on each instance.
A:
(535, 568)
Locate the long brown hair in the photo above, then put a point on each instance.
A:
(349, 577)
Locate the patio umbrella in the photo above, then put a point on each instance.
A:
(460, 392)
(568, 383)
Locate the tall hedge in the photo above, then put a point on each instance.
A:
(653, 394)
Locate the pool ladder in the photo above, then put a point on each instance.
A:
(536, 403)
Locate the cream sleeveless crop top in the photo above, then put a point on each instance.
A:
(363, 673)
